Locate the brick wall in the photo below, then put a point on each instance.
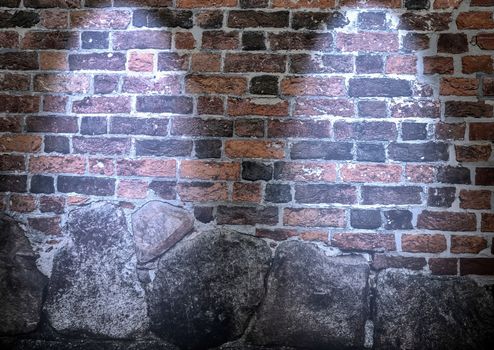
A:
(365, 125)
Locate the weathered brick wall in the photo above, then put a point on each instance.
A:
(366, 125)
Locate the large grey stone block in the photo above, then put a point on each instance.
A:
(207, 288)
(94, 289)
(424, 312)
(313, 300)
(21, 283)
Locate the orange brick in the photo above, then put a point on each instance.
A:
(371, 172)
(57, 164)
(209, 170)
(254, 149)
(20, 143)
(202, 191)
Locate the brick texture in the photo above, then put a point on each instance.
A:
(319, 120)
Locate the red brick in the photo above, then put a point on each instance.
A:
(324, 106)
(141, 39)
(9, 40)
(202, 191)
(260, 106)
(61, 83)
(102, 104)
(20, 143)
(291, 128)
(57, 165)
(167, 85)
(147, 167)
(475, 20)
(301, 4)
(19, 104)
(450, 131)
(371, 3)
(101, 145)
(249, 128)
(420, 173)
(220, 40)
(467, 244)
(58, 40)
(371, 173)
(55, 103)
(476, 266)
(133, 189)
(363, 241)
(206, 3)
(487, 224)
(11, 124)
(246, 192)
(485, 41)
(305, 171)
(141, 61)
(481, 131)
(101, 166)
(447, 221)
(54, 19)
(209, 170)
(53, 60)
(215, 84)
(445, 4)
(401, 64)
(48, 225)
(13, 82)
(474, 64)
(418, 243)
(22, 203)
(425, 21)
(473, 153)
(301, 41)
(315, 86)
(210, 105)
(438, 65)
(100, 19)
(254, 149)
(184, 41)
(415, 109)
(247, 62)
(475, 199)
(443, 266)
(206, 62)
(367, 42)
(459, 86)
(313, 217)
(52, 204)
(12, 163)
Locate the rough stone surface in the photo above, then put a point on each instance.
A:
(207, 288)
(67, 344)
(94, 289)
(424, 312)
(313, 301)
(157, 226)
(21, 284)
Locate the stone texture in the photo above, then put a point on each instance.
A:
(313, 301)
(207, 288)
(94, 289)
(423, 312)
(76, 344)
(157, 226)
(21, 284)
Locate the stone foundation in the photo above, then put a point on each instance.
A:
(179, 287)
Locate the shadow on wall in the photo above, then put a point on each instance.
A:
(353, 124)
